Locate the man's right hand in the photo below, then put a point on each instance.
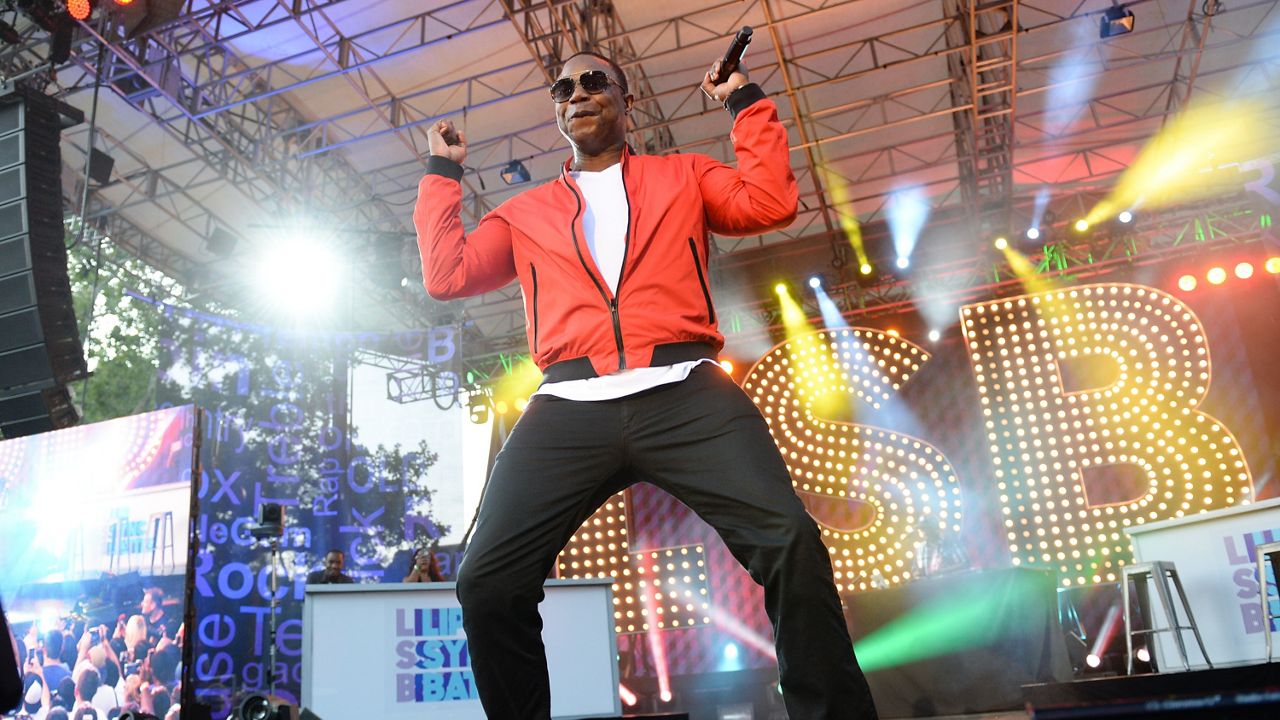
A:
(446, 141)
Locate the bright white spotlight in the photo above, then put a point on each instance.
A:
(1001, 243)
(1125, 217)
(1092, 660)
(665, 695)
(815, 282)
(731, 651)
(908, 211)
(298, 277)
(1033, 233)
(934, 336)
(1142, 654)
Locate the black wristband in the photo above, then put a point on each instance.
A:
(742, 98)
(439, 165)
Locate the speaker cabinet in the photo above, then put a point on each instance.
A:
(40, 351)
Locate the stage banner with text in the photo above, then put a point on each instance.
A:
(277, 431)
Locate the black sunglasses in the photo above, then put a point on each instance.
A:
(593, 81)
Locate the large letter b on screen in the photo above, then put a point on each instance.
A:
(1090, 401)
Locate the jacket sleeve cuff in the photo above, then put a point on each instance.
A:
(742, 98)
(437, 165)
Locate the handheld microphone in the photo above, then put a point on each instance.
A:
(734, 55)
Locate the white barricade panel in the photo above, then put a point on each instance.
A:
(399, 651)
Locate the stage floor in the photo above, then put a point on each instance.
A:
(1018, 715)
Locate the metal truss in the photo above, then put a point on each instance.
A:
(951, 118)
(844, 122)
(1065, 256)
(412, 380)
(554, 32)
(985, 80)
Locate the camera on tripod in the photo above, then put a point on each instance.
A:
(270, 522)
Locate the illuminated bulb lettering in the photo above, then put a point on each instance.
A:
(1142, 418)
(612, 560)
(896, 483)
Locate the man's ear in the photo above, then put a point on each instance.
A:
(630, 100)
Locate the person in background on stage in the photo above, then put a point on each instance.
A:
(611, 257)
(331, 573)
(153, 612)
(425, 568)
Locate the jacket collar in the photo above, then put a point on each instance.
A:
(627, 151)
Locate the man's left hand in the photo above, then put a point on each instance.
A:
(721, 92)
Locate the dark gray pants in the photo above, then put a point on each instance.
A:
(702, 441)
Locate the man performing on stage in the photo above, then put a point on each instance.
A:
(612, 261)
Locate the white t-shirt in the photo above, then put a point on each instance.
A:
(604, 221)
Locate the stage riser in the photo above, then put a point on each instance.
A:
(1238, 693)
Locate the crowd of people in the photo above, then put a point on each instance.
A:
(76, 670)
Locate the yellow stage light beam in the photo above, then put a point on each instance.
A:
(816, 366)
(1021, 266)
(843, 207)
(1177, 164)
(519, 383)
(1086, 371)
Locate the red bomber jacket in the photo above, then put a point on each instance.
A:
(662, 312)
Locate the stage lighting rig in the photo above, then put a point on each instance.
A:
(10, 34)
(53, 18)
(80, 9)
(478, 407)
(515, 172)
(1117, 20)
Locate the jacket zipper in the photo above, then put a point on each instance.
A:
(622, 268)
(534, 272)
(706, 294)
(611, 302)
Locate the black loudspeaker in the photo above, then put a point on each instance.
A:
(40, 351)
(100, 166)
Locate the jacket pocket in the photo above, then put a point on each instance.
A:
(533, 272)
(702, 281)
